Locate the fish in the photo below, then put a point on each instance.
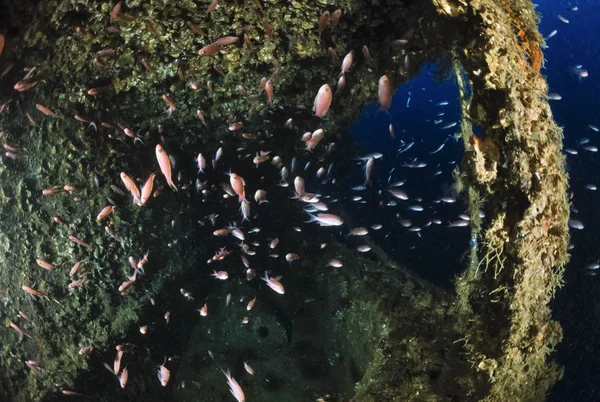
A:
(323, 22)
(551, 34)
(238, 185)
(131, 187)
(45, 110)
(322, 101)
(268, 29)
(204, 310)
(226, 40)
(234, 387)
(165, 165)
(335, 18)
(147, 189)
(19, 329)
(117, 362)
(313, 139)
(347, 62)
(222, 275)
(248, 369)
(326, 219)
(105, 212)
(80, 242)
(123, 377)
(44, 264)
(273, 284)
(438, 149)
(398, 193)
(210, 50)
(363, 248)
(34, 292)
(260, 196)
(562, 19)
(369, 166)
(385, 94)
(459, 223)
(269, 91)
(245, 209)
(163, 374)
(576, 224)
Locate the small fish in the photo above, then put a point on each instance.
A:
(459, 223)
(234, 387)
(131, 187)
(326, 219)
(163, 374)
(45, 110)
(322, 101)
(105, 212)
(274, 284)
(323, 22)
(45, 265)
(438, 149)
(385, 93)
(335, 18)
(268, 29)
(335, 263)
(562, 19)
(210, 50)
(248, 369)
(576, 224)
(80, 242)
(19, 329)
(347, 62)
(398, 193)
(222, 275)
(165, 165)
(269, 91)
(450, 125)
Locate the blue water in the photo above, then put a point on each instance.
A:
(577, 304)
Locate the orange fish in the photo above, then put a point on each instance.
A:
(322, 101)
(209, 50)
(26, 84)
(269, 90)
(335, 18)
(238, 184)
(2, 40)
(147, 189)
(19, 330)
(170, 103)
(44, 110)
(385, 93)
(323, 22)
(105, 212)
(80, 242)
(44, 264)
(226, 40)
(130, 185)
(97, 91)
(165, 165)
(33, 292)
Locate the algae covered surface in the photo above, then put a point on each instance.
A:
(373, 331)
